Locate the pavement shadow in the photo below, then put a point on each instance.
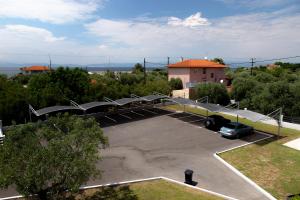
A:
(193, 119)
(130, 116)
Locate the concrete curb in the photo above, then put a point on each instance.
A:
(216, 155)
(142, 180)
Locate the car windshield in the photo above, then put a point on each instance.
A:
(231, 126)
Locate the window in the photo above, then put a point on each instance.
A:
(204, 70)
(211, 75)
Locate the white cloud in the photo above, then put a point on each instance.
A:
(53, 11)
(26, 32)
(192, 21)
(264, 35)
(261, 35)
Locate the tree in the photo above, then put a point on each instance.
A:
(218, 60)
(138, 68)
(216, 93)
(48, 158)
(176, 84)
(13, 101)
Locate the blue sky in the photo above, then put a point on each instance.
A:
(98, 31)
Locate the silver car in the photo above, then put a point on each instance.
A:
(235, 130)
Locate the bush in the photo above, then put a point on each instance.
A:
(176, 84)
(216, 93)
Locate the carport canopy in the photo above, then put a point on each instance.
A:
(153, 97)
(51, 109)
(95, 104)
(250, 115)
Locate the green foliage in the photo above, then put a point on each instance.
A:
(13, 103)
(216, 93)
(59, 87)
(138, 68)
(218, 60)
(176, 84)
(268, 89)
(47, 158)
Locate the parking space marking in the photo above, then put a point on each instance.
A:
(111, 119)
(138, 114)
(199, 120)
(185, 116)
(149, 111)
(125, 116)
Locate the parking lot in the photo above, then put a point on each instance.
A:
(153, 142)
(164, 143)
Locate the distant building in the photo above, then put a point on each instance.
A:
(272, 66)
(34, 69)
(192, 72)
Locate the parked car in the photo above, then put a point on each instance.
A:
(235, 130)
(215, 122)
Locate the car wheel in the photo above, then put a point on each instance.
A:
(208, 123)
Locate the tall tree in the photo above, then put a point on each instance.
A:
(218, 60)
(216, 93)
(138, 68)
(48, 158)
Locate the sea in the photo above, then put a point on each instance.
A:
(12, 71)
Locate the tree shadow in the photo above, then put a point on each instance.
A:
(113, 193)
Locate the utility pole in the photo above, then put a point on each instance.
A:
(50, 63)
(252, 64)
(145, 71)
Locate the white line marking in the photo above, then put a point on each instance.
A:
(125, 116)
(150, 111)
(111, 119)
(201, 189)
(257, 187)
(142, 180)
(138, 114)
(196, 121)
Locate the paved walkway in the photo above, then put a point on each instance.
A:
(295, 144)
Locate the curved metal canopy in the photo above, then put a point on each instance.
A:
(95, 104)
(51, 109)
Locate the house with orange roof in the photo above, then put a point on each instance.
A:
(34, 69)
(192, 72)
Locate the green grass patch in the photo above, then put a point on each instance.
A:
(271, 165)
(148, 190)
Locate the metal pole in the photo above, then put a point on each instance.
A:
(29, 114)
(144, 70)
(279, 121)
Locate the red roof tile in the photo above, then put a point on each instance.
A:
(196, 64)
(35, 68)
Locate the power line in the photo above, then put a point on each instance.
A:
(267, 60)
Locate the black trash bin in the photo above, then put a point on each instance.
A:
(189, 176)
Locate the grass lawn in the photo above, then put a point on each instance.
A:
(271, 165)
(148, 190)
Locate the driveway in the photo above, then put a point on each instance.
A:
(168, 144)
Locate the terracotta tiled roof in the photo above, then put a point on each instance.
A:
(35, 68)
(196, 64)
